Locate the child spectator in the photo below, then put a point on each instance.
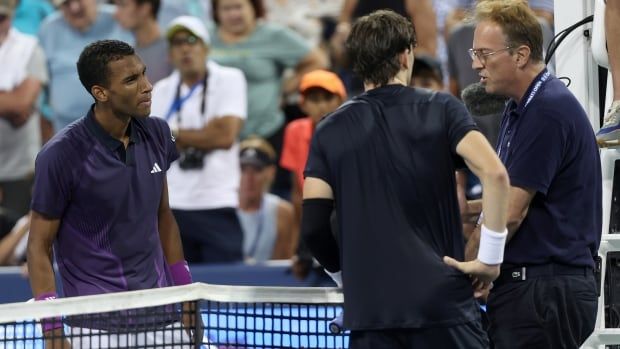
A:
(427, 73)
(322, 92)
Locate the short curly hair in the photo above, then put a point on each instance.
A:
(92, 66)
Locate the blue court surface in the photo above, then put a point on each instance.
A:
(261, 326)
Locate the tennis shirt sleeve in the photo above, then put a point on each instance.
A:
(458, 122)
(316, 165)
(538, 146)
(53, 178)
(169, 144)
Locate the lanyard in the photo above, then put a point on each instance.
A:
(507, 117)
(179, 101)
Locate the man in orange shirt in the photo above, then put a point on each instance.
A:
(322, 92)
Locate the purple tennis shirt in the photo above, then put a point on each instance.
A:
(107, 199)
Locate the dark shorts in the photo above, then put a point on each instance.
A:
(466, 336)
(210, 236)
(545, 312)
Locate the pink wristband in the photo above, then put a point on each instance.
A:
(180, 273)
(49, 324)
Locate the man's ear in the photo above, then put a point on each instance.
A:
(100, 93)
(523, 55)
(403, 59)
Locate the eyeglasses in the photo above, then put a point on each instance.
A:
(482, 56)
(4, 17)
(179, 41)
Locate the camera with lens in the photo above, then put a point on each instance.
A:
(191, 159)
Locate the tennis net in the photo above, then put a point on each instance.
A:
(192, 316)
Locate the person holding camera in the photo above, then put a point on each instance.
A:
(205, 105)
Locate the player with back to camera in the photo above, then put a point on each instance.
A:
(386, 161)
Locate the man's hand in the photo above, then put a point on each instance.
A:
(301, 266)
(16, 120)
(192, 321)
(482, 275)
(54, 339)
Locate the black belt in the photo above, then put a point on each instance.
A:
(517, 274)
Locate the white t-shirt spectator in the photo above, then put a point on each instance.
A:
(216, 184)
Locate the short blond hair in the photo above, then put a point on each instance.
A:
(518, 22)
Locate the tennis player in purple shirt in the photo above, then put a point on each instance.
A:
(100, 193)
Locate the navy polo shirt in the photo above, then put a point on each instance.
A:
(547, 145)
(107, 199)
(390, 155)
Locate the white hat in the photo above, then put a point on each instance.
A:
(190, 23)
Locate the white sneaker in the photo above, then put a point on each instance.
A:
(610, 131)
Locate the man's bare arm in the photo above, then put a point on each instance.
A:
(423, 15)
(43, 232)
(285, 237)
(219, 133)
(518, 205)
(17, 104)
(482, 160)
(169, 230)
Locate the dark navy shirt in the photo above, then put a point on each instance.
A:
(107, 200)
(390, 156)
(548, 146)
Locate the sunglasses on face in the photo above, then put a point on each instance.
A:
(191, 40)
(4, 17)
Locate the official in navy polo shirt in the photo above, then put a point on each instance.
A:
(386, 160)
(546, 295)
(100, 192)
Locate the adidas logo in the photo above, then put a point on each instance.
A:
(156, 168)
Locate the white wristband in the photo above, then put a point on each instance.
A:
(492, 243)
(337, 277)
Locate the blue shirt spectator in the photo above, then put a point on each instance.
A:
(63, 36)
(29, 15)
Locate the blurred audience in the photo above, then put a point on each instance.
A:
(303, 16)
(140, 17)
(29, 14)
(267, 220)
(262, 50)
(24, 72)
(322, 92)
(421, 13)
(542, 8)
(427, 73)
(205, 105)
(171, 9)
(13, 245)
(63, 35)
